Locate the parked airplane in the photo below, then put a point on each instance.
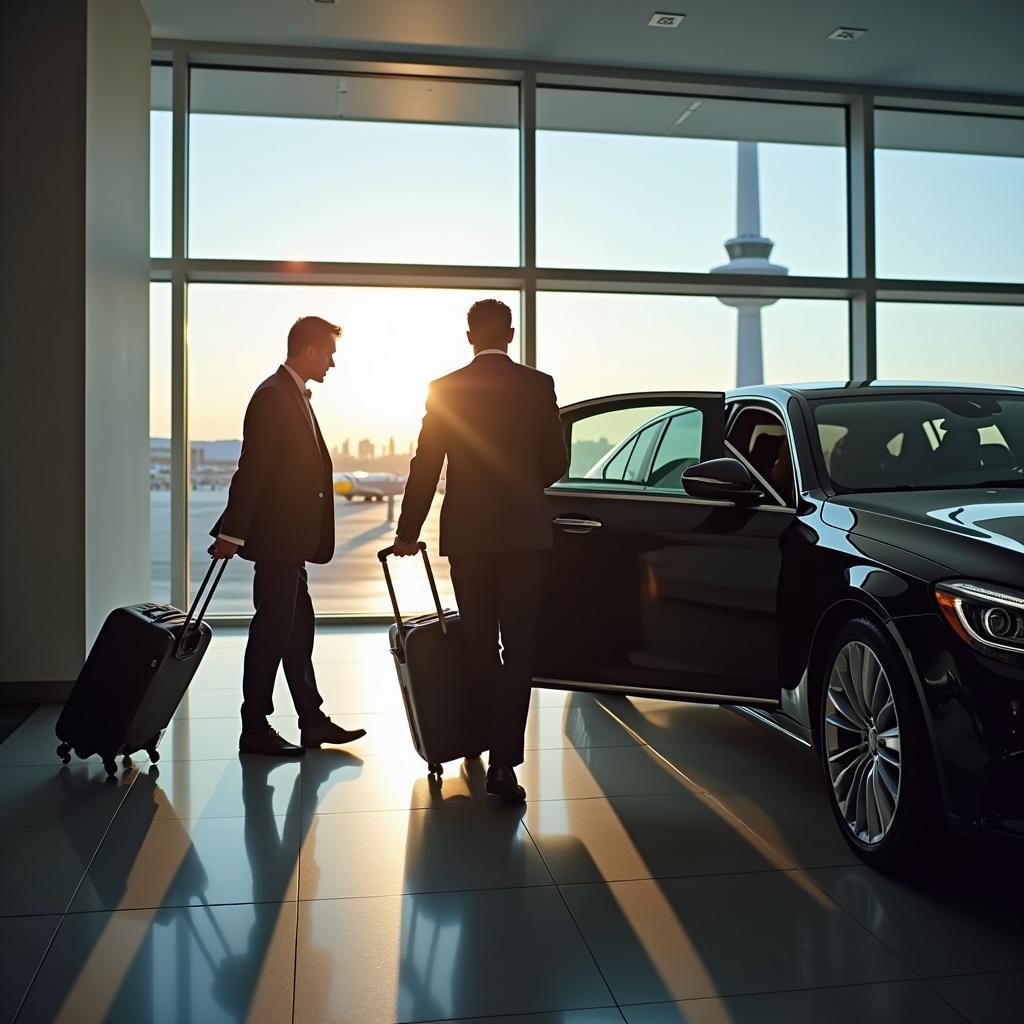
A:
(371, 486)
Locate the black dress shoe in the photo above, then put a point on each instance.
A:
(328, 732)
(270, 743)
(501, 782)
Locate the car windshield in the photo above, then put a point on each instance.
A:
(922, 441)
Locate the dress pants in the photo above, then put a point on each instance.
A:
(499, 593)
(281, 631)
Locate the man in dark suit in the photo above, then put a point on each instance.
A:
(280, 515)
(497, 423)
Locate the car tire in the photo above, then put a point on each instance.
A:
(874, 748)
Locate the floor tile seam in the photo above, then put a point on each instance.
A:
(533, 800)
(71, 899)
(944, 1000)
(429, 892)
(576, 925)
(804, 873)
(522, 1016)
(973, 974)
(777, 991)
(751, 873)
(146, 908)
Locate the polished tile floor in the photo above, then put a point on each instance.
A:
(675, 863)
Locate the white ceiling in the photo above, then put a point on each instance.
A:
(957, 45)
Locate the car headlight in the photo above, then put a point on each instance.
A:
(983, 615)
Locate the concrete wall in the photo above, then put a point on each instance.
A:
(73, 328)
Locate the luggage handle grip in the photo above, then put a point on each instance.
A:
(206, 604)
(382, 556)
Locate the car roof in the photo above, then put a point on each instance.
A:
(869, 388)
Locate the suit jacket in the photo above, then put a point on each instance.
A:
(497, 423)
(281, 500)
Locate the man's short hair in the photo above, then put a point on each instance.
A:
(489, 318)
(311, 330)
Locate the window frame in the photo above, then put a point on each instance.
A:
(863, 289)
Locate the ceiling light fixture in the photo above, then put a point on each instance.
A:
(324, 3)
(847, 35)
(660, 20)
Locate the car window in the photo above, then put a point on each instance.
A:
(601, 445)
(679, 449)
(615, 467)
(888, 442)
(760, 437)
(639, 457)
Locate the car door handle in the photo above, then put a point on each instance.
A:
(576, 524)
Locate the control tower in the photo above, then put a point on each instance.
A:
(748, 254)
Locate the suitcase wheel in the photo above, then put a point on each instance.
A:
(435, 769)
(64, 753)
(126, 761)
(111, 765)
(154, 754)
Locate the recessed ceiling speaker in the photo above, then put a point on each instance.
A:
(847, 35)
(660, 20)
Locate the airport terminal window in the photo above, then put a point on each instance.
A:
(160, 441)
(949, 196)
(634, 181)
(353, 168)
(679, 449)
(681, 342)
(369, 414)
(160, 161)
(941, 342)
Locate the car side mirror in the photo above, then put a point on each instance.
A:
(721, 479)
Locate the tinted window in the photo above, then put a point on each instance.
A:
(679, 449)
(641, 450)
(889, 442)
(760, 437)
(600, 444)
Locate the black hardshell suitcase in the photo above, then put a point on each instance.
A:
(134, 678)
(441, 703)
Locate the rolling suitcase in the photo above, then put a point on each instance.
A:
(441, 703)
(134, 678)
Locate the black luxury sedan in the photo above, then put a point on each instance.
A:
(844, 562)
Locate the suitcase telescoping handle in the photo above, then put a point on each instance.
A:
(178, 647)
(383, 557)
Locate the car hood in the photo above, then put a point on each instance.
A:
(975, 533)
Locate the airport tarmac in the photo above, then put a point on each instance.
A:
(350, 584)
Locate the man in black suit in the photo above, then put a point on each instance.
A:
(498, 424)
(280, 515)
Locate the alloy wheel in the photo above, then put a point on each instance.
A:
(862, 743)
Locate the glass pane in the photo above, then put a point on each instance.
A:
(595, 344)
(679, 449)
(394, 342)
(160, 441)
(971, 344)
(353, 168)
(601, 447)
(630, 181)
(949, 194)
(925, 440)
(160, 161)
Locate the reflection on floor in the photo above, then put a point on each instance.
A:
(675, 863)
